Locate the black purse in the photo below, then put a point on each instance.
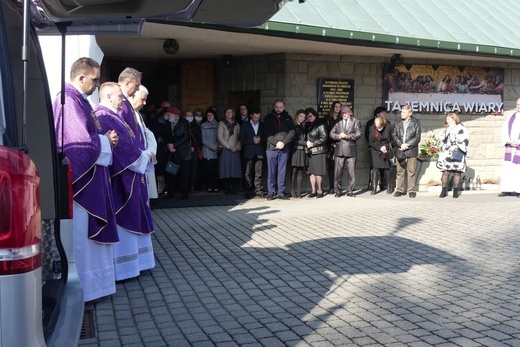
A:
(172, 167)
(457, 155)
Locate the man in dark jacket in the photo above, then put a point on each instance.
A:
(156, 125)
(406, 135)
(253, 148)
(279, 131)
(242, 117)
(176, 139)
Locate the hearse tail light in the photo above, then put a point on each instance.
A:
(20, 215)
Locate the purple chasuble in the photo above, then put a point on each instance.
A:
(508, 156)
(131, 206)
(127, 113)
(82, 146)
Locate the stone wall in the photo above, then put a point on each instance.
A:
(293, 78)
(265, 73)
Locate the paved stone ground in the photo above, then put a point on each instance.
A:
(364, 271)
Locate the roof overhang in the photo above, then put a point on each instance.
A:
(197, 41)
(357, 38)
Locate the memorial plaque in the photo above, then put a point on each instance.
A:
(330, 90)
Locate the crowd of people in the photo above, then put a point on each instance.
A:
(232, 154)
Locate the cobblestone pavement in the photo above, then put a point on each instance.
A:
(364, 271)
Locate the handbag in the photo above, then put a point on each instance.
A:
(391, 156)
(219, 152)
(401, 156)
(457, 155)
(172, 167)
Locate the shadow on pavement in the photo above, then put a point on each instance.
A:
(282, 294)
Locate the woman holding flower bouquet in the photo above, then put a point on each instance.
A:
(452, 158)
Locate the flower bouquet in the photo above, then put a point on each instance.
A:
(431, 147)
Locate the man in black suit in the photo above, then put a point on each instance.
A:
(346, 132)
(253, 147)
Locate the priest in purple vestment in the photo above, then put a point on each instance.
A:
(130, 162)
(89, 149)
(138, 100)
(129, 80)
(510, 140)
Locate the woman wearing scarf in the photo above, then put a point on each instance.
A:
(209, 149)
(229, 166)
(454, 138)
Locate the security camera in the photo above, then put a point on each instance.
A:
(397, 60)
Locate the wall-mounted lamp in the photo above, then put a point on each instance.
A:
(170, 46)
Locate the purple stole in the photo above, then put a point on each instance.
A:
(128, 114)
(82, 146)
(508, 156)
(132, 211)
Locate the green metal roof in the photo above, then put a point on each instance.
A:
(472, 26)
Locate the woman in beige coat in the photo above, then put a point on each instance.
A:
(229, 165)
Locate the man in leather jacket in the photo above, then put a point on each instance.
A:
(406, 135)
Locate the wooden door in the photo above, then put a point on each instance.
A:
(197, 84)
